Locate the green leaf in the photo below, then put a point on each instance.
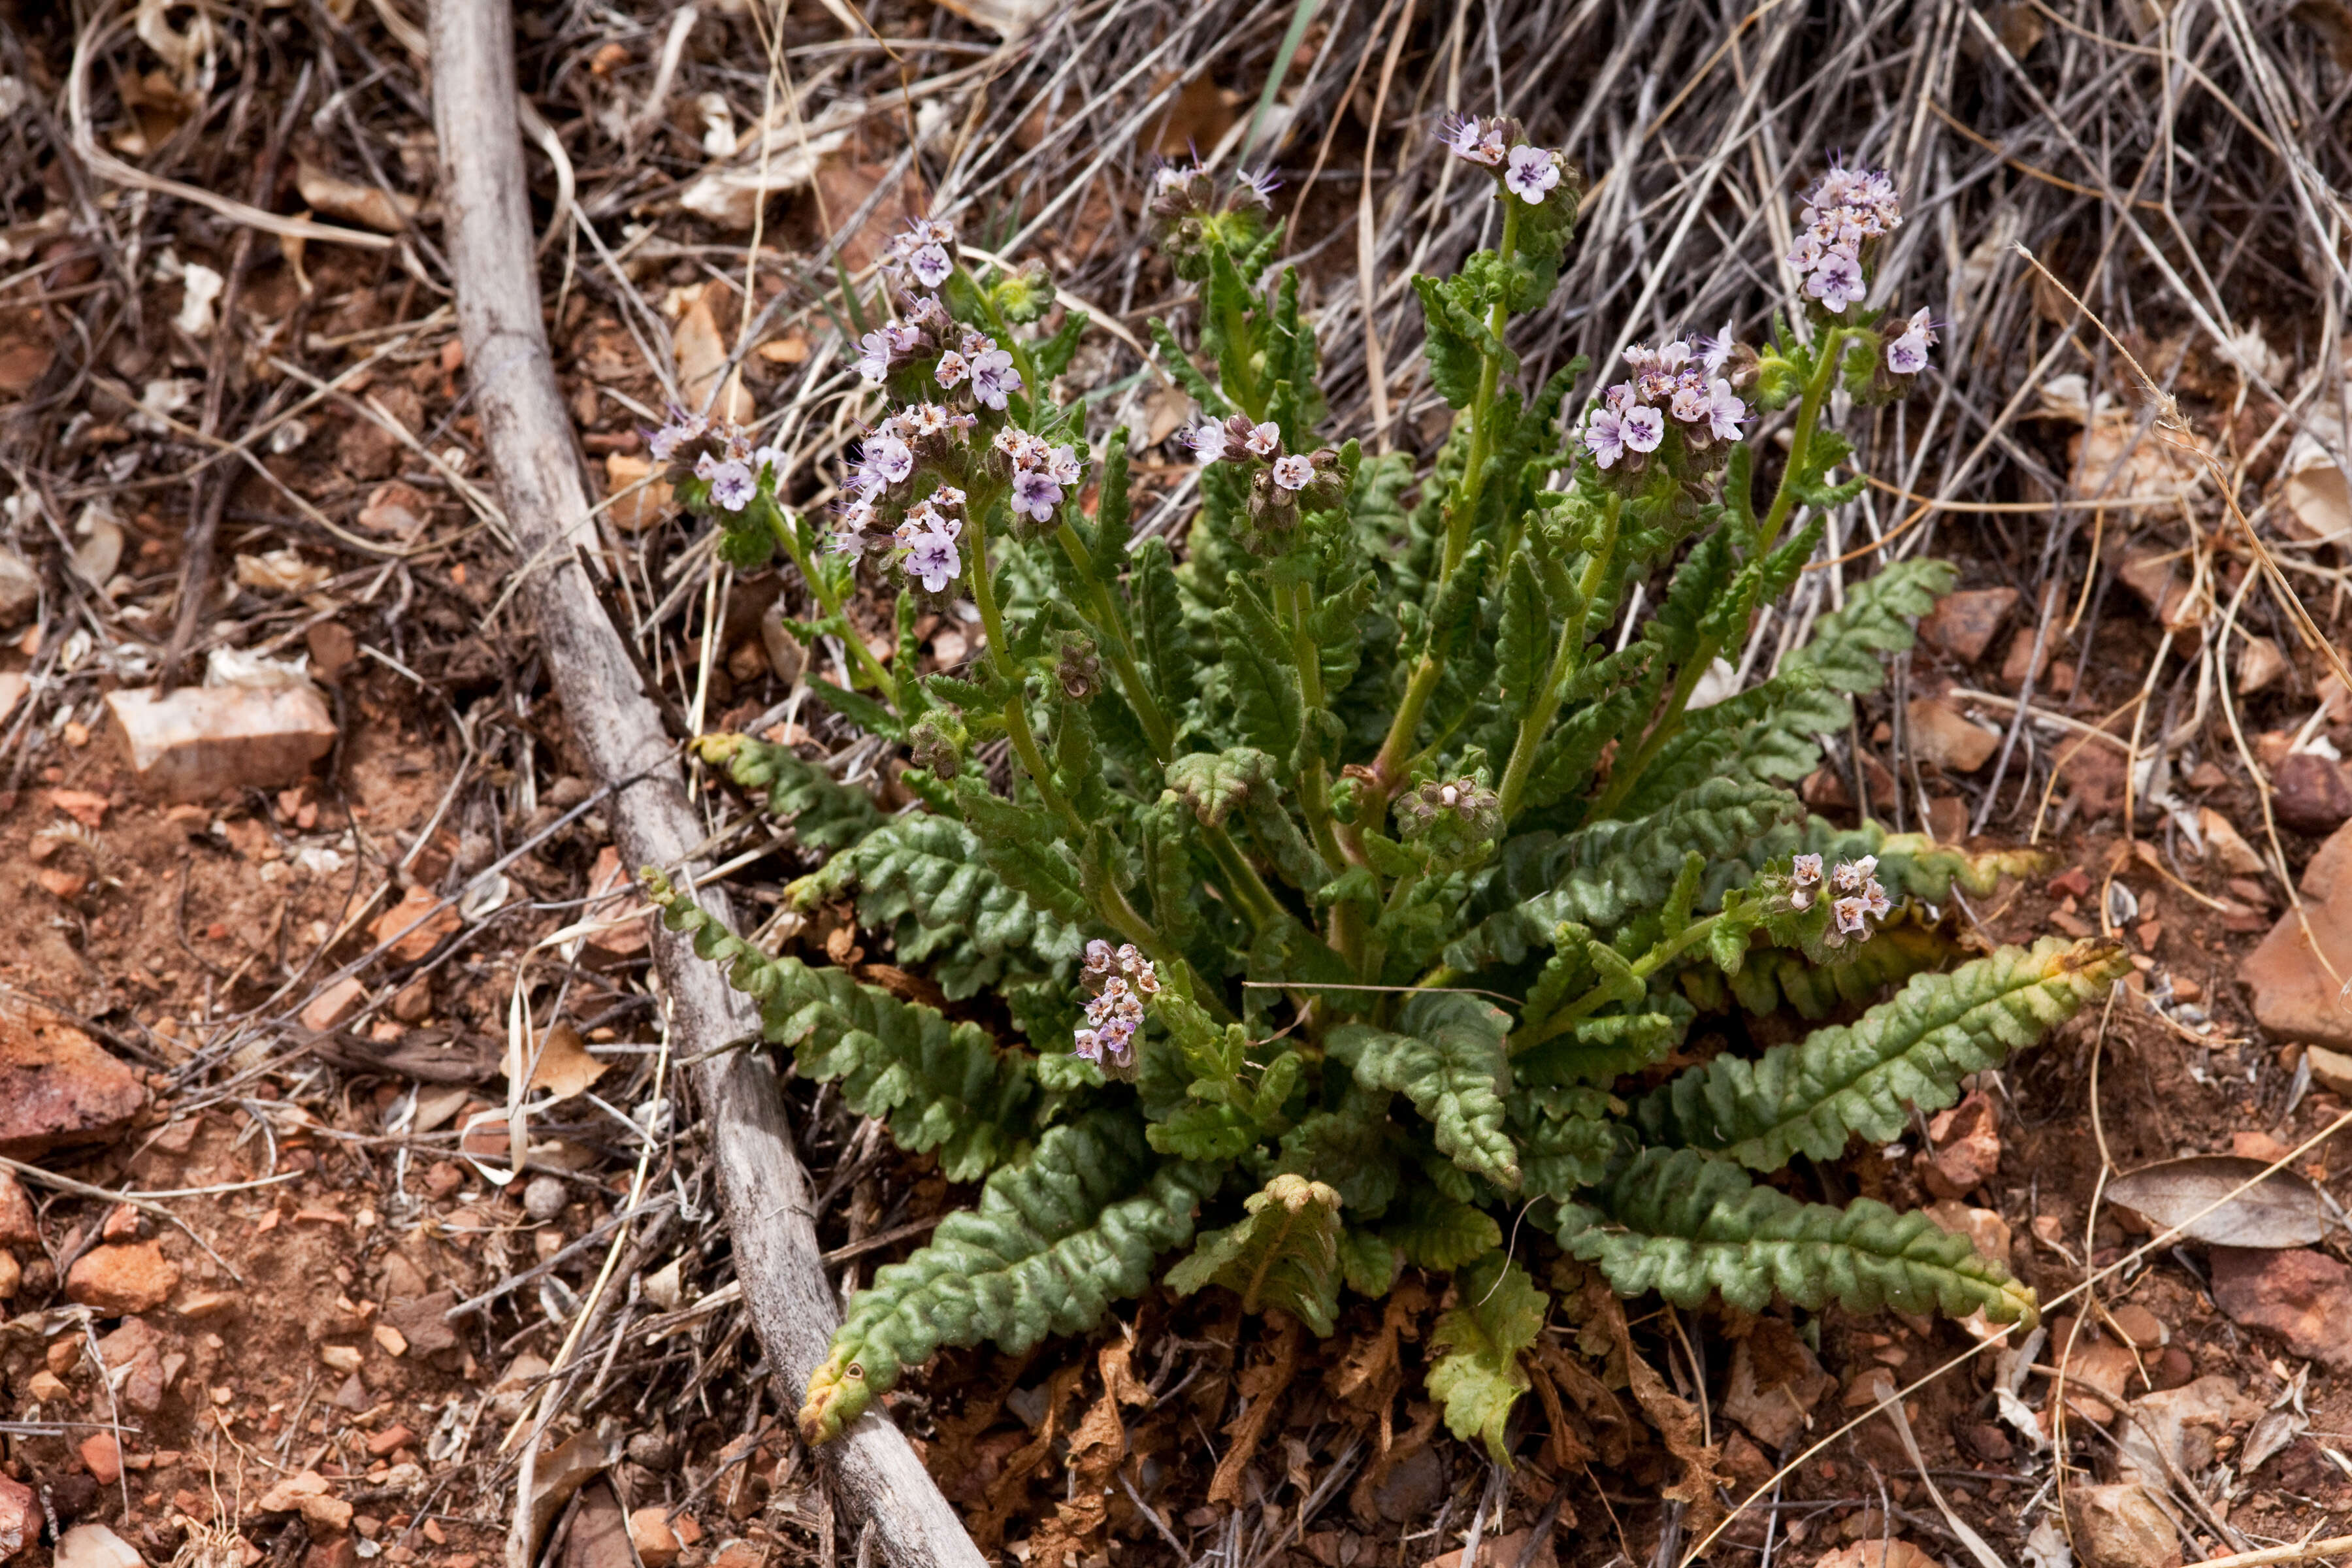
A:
(1687, 1224)
(1022, 845)
(825, 815)
(1566, 1137)
(858, 709)
(1214, 783)
(1286, 1254)
(1261, 681)
(1441, 1233)
(1477, 1376)
(1451, 1063)
(1865, 1077)
(1110, 525)
(1523, 653)
(1054, 1242)
(1160, 623)
(930, 869)
(1368, 1263)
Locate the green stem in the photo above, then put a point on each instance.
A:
(1648, 965)
(1249, 889)
(1010, 342)
(860, 655)
(1016, 709)
(1767, 534)
(1459, 516)
(1564, 659)
(1120, 647)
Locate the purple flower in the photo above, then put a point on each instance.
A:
(1062, 466)
(731, 485)
(934, 558)
(843, 543)
(1805, 871)
(1836, 282)
(1604, 436)
(681, 427)
(1716, 350)
(1264, 440)
(953, 369)
(994, 377)
(1471, 138)
(1726, 412)
(1645, 428)
(1206, 442)
(885, 460)
(1260, 185)
(1689, 404)
(1034, 494)
(1533, 171)
(1853, 916)
(1293, 472)
(1907, 354)
(1875, 899)
(874, 355)
(930, 264)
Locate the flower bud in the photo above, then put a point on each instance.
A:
(936, 741)
(1079, 668)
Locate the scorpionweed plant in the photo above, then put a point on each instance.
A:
(1367, 847)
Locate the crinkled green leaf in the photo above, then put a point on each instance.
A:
(1451, 1063)
(1286, 1254)
(1477, 1376)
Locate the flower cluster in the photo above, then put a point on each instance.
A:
(924, 249)
(1683, 380)
(1041, 472)
(1859, 899)
(1455, 820)
(1119, 982)
(720, 453)
(1186, 211)
(1845, 208)
(1281, 481)
(1495, 143)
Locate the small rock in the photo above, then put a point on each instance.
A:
(1965, 621)
(2021, 656)
(203, 741)
(656, 1542)
(18, 1227)
(1412, 1487)
(2330, 1069)
(20, 1517)
(413, 1003)
(2302, 1296)
(1947, 819)
(653, 1449)
(1831, 788)
(2295, 995)
(340, 1358)
(57, 1087)
(202, 1306)
(287, 1496)
(1968, 1147)
(1986, 1230)
(2260, 666)
(103, 1456)
(12, 1275)
(544, 1197)
(343, 1551)
(20, 591)
(47, 1386)
(420, 1322)
(333, 651)
(391, 1438)
(114, 1280)
(389, 1340)
(419, 923)
(2312, 797)
(1952, 742)
(338, 1001)
(2139, 1325)
(133, 1355)
(2121, 1526)
(13, 688)
(95, 1546)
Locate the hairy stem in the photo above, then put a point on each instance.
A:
(1767, 534)
(1106, 619)
(1649, 964)
(1016, 709)
(860, 655)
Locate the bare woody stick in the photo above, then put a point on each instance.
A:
(873, 1474)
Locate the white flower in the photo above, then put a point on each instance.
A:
(1264, 440)
(1645, 428)
(874, 355)
(1604, 436)
(1207, 442)
(681, 427)
(931, 266)
(1907, 354)
(953, 368)
(1690, 404)
(993, 378)
(1852, 916)
(1062, 466)
(1836, 282)
(1875, 899)
(1293, 472)
(1533, 171)
(1805, 871)
(1717, 349)
(771, 459)
(731, 485)
(1478, 140)
(924, 419)
(886, 459)
(1725, 411)
(934, 558)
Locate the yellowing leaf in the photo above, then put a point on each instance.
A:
(1286, 1254)
(1478, 1378)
